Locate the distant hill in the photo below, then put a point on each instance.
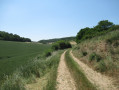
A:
(56, 39)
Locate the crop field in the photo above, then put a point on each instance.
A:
(16, 54)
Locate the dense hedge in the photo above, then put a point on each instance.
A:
(61, 45)
(12, 37)
(100, 29)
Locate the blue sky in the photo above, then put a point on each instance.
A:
(46, 19)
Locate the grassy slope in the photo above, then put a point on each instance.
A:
(15, 54)
(101, 53)
(82, 82)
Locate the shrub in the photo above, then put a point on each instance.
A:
(64, 44)
(83, 53)
(114, 27)
(94, 56)
(55, 46)
(61, 45)
(48, 53)
(101, 66)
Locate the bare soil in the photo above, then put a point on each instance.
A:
(64, 78)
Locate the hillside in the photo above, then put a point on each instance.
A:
(57, 39)
(101, 53)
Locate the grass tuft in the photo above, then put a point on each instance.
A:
(94, 56)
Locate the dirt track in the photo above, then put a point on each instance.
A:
(100, 81)
(64, 79)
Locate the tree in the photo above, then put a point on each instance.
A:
(83, 34)
(12, 37)
(104, 25)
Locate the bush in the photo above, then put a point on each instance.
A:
(114, 27)
(61, 45)
(64, 44)
(48, 53)
(83, 53)
(55, 46)
(94, 56)
(101, 67)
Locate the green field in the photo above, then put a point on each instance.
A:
(16, 54)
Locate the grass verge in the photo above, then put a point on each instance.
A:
(82, 82)
(51, 85)
(33, 70)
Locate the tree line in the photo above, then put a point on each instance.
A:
(12, 37)
(103, 27)
(57, 39)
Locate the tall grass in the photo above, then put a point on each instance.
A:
(35, 69)
(53, 73)
(82, 82)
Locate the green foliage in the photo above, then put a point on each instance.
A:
(55, 46)
(103, 25)
(114, 27)
(61, 45)
(94, 56)
(12, 37)
(55, 40)
(102, 28)
(48, 53)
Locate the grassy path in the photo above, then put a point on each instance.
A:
(100, 81)
(82, 83)
(64, 79)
